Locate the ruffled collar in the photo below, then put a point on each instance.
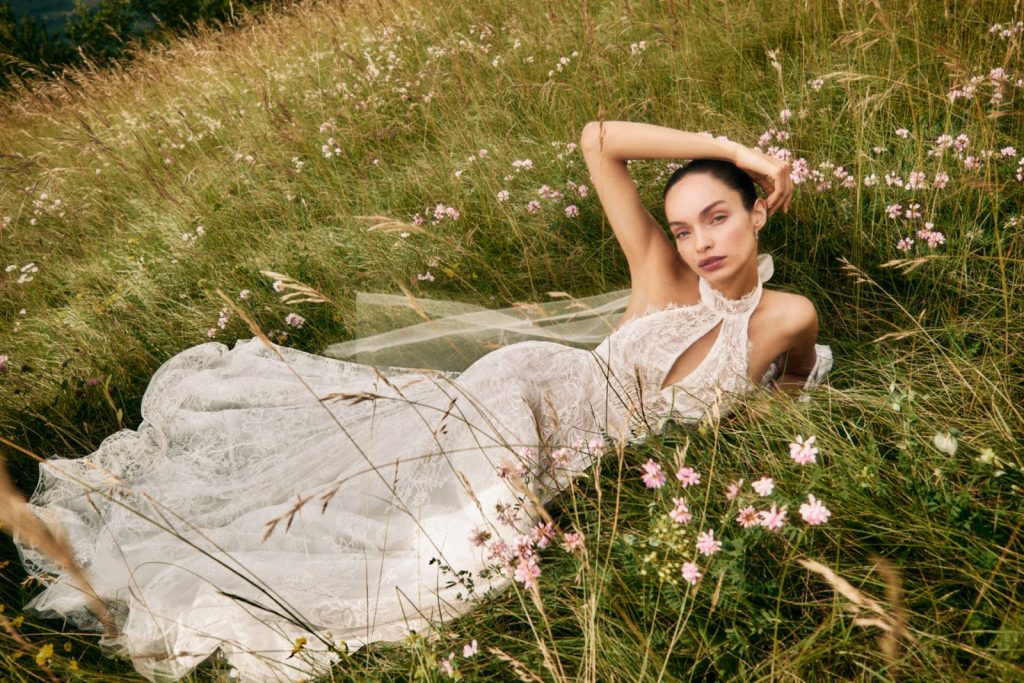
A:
(720, 303)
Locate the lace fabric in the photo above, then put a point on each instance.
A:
(250, 508)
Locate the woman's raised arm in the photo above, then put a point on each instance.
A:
(607, 145)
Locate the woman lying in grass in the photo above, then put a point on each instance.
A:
(195, 530)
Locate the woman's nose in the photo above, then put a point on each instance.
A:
(703, 240)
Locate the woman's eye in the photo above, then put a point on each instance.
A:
(721, 215)
(681, 235)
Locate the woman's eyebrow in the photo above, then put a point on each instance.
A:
(702, 212)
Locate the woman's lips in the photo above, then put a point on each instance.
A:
(712, 263)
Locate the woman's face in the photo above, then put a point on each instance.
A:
(714, 234)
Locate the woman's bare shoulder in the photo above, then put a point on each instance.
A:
(792, 313)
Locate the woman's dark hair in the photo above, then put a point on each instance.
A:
(726, 171)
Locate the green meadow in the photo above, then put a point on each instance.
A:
(326, 141)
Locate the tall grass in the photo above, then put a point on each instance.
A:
(210, 131)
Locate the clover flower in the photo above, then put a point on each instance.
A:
(706, 543)
(773, 518)
(572, 541)
(803, 452)
(690, 573)
(688, 476)
(680, 514)
(813, 511)
(653, 477)
(764, 486)
(747, 517)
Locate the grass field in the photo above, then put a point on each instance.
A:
(128, 197)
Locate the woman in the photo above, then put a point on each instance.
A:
(714, 216)
(271, 495)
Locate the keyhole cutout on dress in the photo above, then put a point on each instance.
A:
(692, 357)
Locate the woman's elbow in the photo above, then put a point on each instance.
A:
(590, 136)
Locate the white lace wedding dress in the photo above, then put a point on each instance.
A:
(394, 469)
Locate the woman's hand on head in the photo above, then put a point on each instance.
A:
(771, 173)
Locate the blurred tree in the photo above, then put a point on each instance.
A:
(100, 32)
(26, 49)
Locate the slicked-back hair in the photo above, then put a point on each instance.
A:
(725, 171)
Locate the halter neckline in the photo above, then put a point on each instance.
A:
(716, 301)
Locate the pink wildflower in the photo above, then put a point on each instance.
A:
(425, 277)
(572, 541)
(653, 477)
(543, 534)
(561, 457)
(527, 570)
(469, 649)
(916, 181)
(572, 211)
(503, 196)
(523, 546)
(688, 476)
(533, 206)
(582, 191)
(480, 536)
(498, 550)
(903, 133)
(706, 543)
(690, 573)
(680, 514)
(294, 319)
(446, 665)
(813, 511)
(733, 490)
(905, 244)
(941, 179)
(764, 486)
(747, 517)
(803, 452)
(774, 518)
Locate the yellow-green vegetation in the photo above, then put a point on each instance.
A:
(307, 143)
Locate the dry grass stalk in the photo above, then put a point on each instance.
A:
(18, 518)
(385, 224)
(893, 624)
(907, 265)
(522, 671)
(301, 293)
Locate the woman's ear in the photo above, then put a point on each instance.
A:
(759, 214)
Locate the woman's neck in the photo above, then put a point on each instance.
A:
(743, 282)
